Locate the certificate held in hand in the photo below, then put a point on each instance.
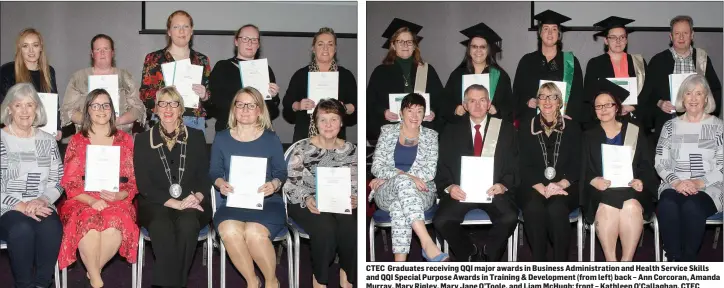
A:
(246, 176)
(110, 84)
(322, 85)
(255, 73)
(476, 177)
(102, 168)
(334, 190)
(617, 165)
(182, 74)
(50, 103)
(395, 102)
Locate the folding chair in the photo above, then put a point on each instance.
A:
(480, 217)
(382, 219)
(4, 245)
(574, 217)
(654, 224)
(716, 219)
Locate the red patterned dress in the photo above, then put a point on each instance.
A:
(78, 218)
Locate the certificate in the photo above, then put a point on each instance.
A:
(476, 178)
(322, 85)
(255, 73)
(334, 189)
(102, 168)
(480, 79)
(110, 84)
(183, 75)
(563, 86)
(50, 103)
(617, 165)
(675, 81)
(395, 101)
(246, 176)
(631, 85)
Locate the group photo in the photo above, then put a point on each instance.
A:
(544, 131)
(178, 144)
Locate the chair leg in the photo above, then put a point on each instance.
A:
(579, 225)
(64, 275)
(515, 242)
(641, 239)
(57, 276)
(593, 243)
(296, 259)
(291, 250)
(222, 265)
(372, 240)
(134, 275)
(520, 234)
(209, 259)
(510, 248)
(203, 255)
(384, 240)
(140, 261)
(657, 247)
(716, 237)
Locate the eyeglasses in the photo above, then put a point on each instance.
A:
(245, 39)
(548, 97)
(242, 105)
(476, 47)
(617, 39)
(98, 106)
(607, 105)
(164, 104)
(404, 43)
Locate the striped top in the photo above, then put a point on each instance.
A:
(30, 168)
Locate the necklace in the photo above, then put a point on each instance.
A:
(175, 189)
(407, 80)
(550, 171)
(409, 141)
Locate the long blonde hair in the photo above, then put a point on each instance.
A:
(22, 74)
(263, 121)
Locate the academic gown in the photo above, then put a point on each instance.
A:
(601, 67)
(502, 100)
(643, 170)
(531, 69)
(387, 79)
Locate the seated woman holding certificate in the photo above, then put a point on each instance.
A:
(30, 173)
(689, 160)
(98, 222)
(404, 166)
(250, 215)
(330, 232)
(102, 73)
(224, 80)
(615, 198)
(180, 30)
(550, 166)
(298, 104)
(174, 204)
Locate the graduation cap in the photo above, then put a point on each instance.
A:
(610, 23)
(395, 25)
(551, 17)
(482, 30)
(605, 85)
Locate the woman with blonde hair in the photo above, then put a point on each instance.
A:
(30, 66)
(247, 233)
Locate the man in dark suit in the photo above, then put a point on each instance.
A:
(480, 136)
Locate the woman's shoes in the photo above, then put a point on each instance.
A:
(442, 257)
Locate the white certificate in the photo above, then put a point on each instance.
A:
(50, 103)
(334, 189)
(246, 176)
(110, 84)
(617, 165)
(631, 85)
(183, 75)
(480, 79)
(102, 168)
(563, 86)
(395, 101)
(322, 85)
(675, 81)
(476, 178)
(255, 73)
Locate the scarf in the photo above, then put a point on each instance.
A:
(548, 127)
(170, 138)
(313, 67)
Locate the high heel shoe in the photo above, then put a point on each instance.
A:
(442, 257)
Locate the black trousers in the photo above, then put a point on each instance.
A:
(682, 220)
(547, 219)
(174, 236)
(31, 242)
(503, 213)
(329, 234)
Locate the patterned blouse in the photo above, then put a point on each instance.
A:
(303, 160)
(30, 168)
(152, 77)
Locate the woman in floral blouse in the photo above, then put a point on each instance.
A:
(179, 27)
(329, 233)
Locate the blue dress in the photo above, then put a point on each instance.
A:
(268, 145)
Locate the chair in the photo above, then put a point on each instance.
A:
(716, 219)
(574, 217)
(205, 234)
(654, 224)
(480, 217)
(134, 274)
(282, 236)
(4, 245)
(382, 219)
(297, 231)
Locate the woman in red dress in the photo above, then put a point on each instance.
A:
(98, 223)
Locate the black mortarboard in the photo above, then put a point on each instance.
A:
(395, 25)
(482, 30)
(610, 23)
(611, 88)
(551, 17)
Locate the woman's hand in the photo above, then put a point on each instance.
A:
(224, 187)
(312, 205)
(59, 135)
(389, 116)
(376, 183)
(460, 110)
(98, 204)
(492, 110)
(273, 89)
(307, 104)
(200, 91)
(637, 185)
(600, 184)
(429, 117)
(191, 202)
(532, 103)
(419, 183)
(353, 198)
(268, 188)
(113, 196)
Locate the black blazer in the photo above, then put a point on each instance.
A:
(592, 167)
(532, 165)
(457, 140)
(151, 177)
(502, 100)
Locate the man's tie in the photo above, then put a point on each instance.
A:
(478, 143)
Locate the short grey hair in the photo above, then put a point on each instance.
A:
(477, 87)
(681, 18)
(23, 91)
(688, 85)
